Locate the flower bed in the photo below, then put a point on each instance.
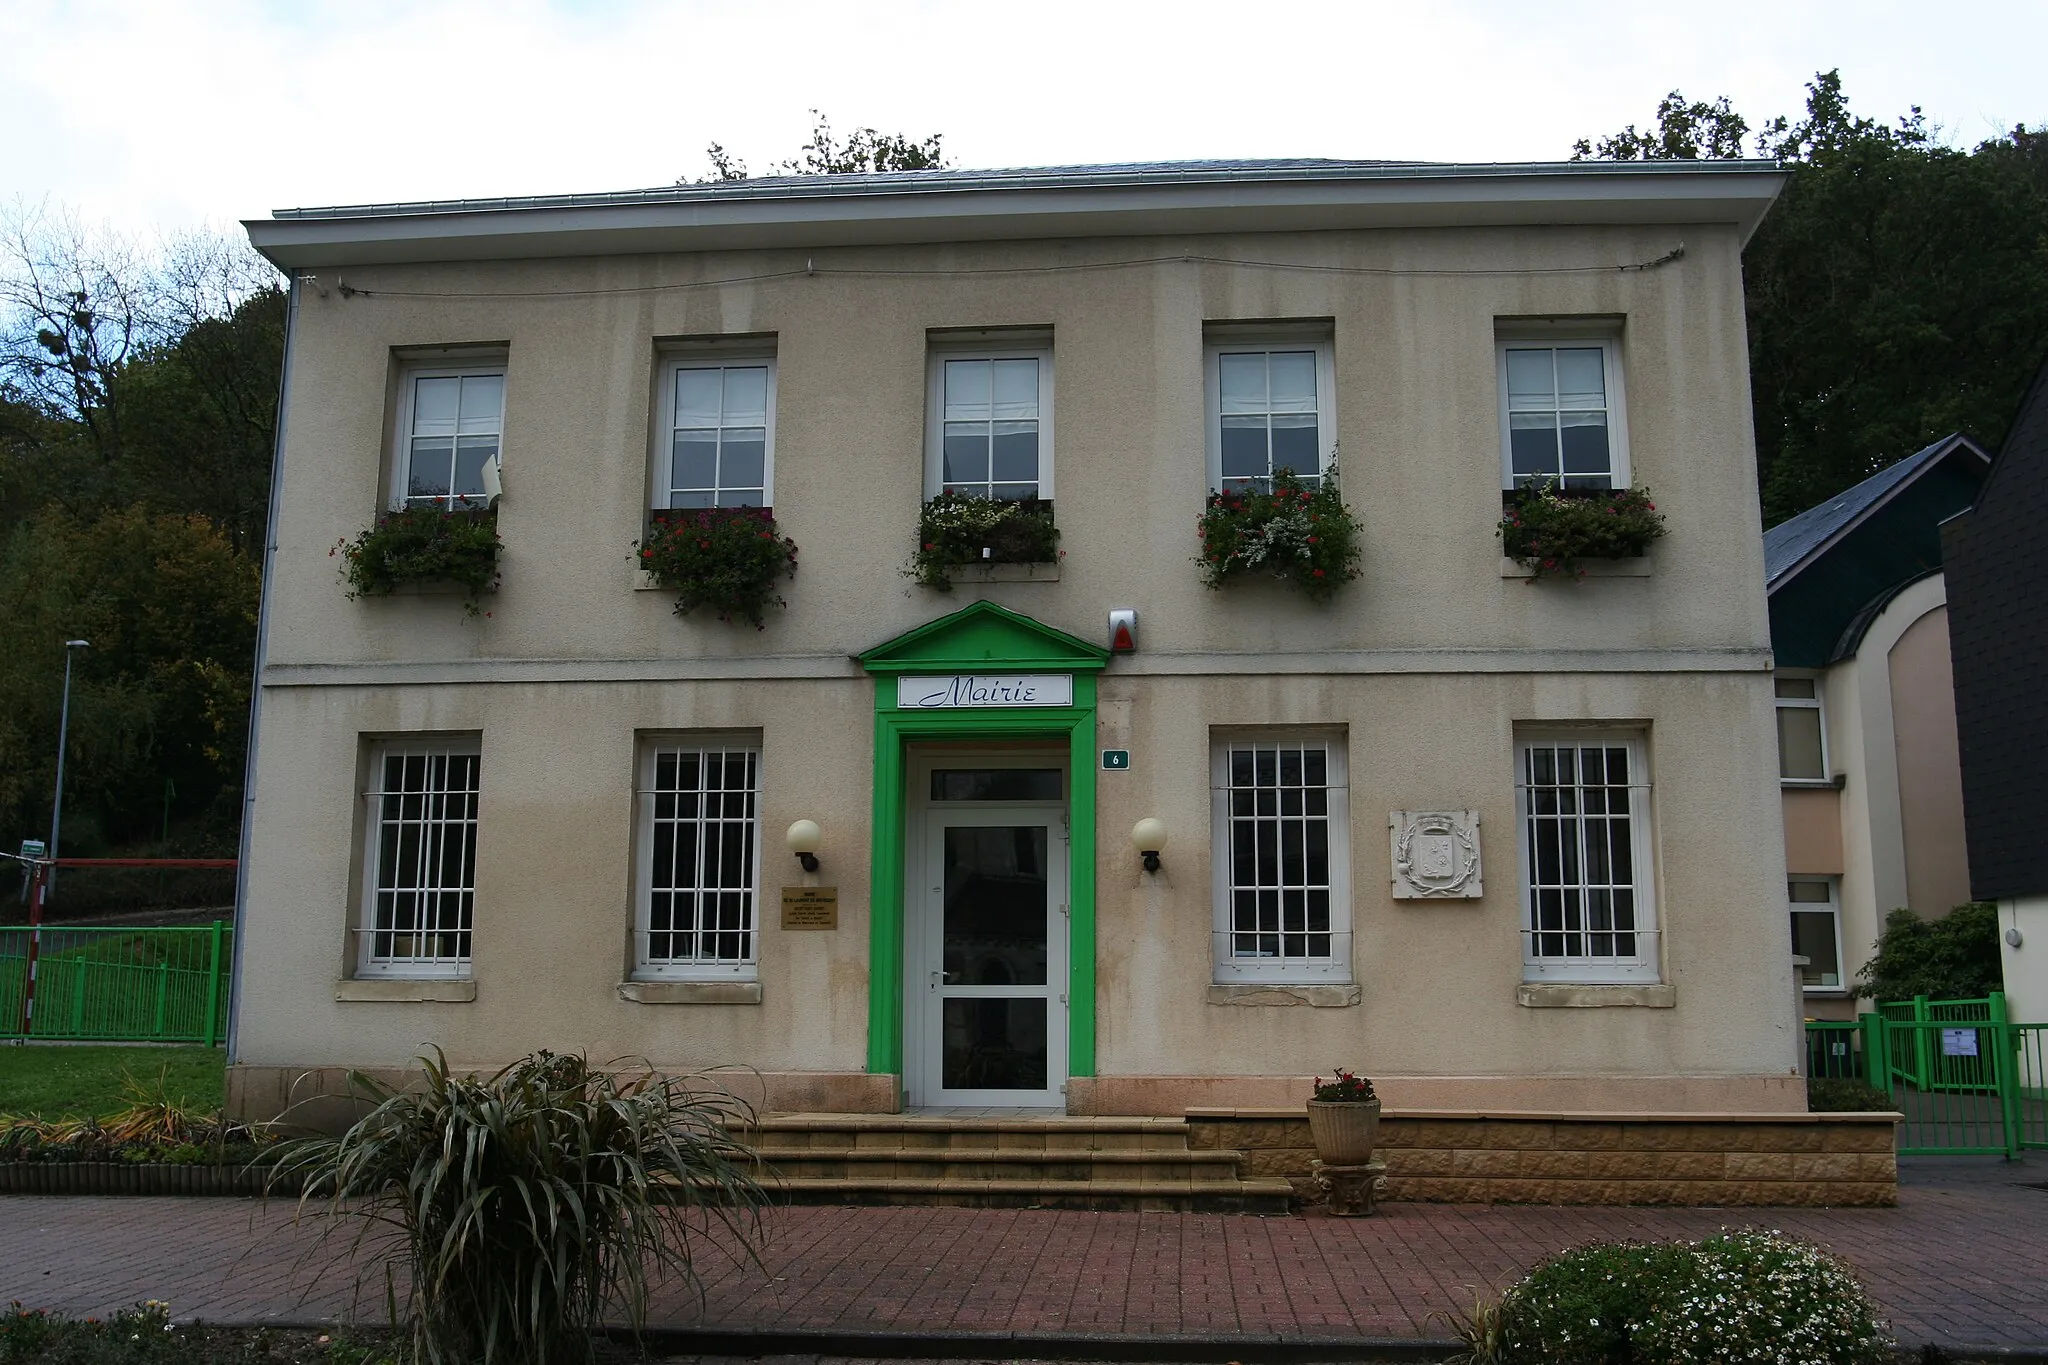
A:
(1298, 534)
(416, 545)
(1749, 1296)
(724, 558)
(1548, 531)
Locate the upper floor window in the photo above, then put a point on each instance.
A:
(1561, 414)
(450, 425)
(1802, 738)
(990, 424)
(1587, 904)
(1269, 409)
(419, 844)
(1281, 841)
(718, 423)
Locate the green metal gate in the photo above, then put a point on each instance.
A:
(157, 985)
(1968, 1080)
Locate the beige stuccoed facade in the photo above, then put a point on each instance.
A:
(1423, 672)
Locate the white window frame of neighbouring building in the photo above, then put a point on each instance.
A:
(472, 432)
(1273, 795)
(1802, 730)
(697, 914)
(420, 809)
(1585, 853)
(1294, 367)
(982, 388)
(1817, 899)
(1563, 379)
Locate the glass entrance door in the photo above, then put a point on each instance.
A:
(990, 1022)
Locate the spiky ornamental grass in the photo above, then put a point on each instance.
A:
(956, 531)
(1549, 532)
(724, 558)
(1740, 1298)
(525, 1204)
(424, 544)
(1300, 535)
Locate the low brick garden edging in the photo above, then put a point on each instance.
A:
(1836, 1160)
(125, 1177)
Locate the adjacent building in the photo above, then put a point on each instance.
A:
(1871, 783)
(1500, 845)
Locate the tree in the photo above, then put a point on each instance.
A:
(865, 151)
(1897, 291)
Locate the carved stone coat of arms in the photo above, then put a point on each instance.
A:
(1436, 854)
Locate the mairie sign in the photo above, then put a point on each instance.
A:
(984, 691)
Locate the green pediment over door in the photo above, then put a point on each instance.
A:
(981, 637)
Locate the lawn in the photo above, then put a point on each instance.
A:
(56, 1081)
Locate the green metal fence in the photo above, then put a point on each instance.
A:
(1968, 1080)
(119, 985)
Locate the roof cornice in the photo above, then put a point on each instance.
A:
(1104, 201)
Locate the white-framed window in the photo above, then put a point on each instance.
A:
(1562, 418)
(989, 423)
(1281, 839)
(1816, 934)
(419, 855)
(715, 445)
(1271, 405)
(698, 915)
(1802, 732)
(451, 425)
(1588, 903)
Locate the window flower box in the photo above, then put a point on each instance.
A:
(424, 544)
(1550, 531)
(725, 558)
(957, 531)
(1293, 532)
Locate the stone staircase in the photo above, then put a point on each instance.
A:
(1054, 1162)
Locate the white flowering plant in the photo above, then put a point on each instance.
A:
(1749, 1297)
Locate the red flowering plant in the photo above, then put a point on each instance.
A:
(1295, 530)
(1548, 530)
(724, 558)
(1344, 1088)
(424, 543)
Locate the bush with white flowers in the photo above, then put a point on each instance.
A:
(1740, 1298)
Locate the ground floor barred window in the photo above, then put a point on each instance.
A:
(1588, 912)
(421, 852)
(1281, 838)
(700, 850)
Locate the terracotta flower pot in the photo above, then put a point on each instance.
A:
(1344, 1131)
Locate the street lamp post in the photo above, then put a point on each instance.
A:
(63, 731)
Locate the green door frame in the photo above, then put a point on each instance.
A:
(980, 638)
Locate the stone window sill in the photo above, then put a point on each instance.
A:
(1008, 573)
(691, 992)
(1285, 993)
(1576, 995)
(442, 990)
(1595, 568)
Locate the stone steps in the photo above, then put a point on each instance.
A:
(1038, 1162)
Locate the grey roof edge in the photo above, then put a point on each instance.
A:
(923, 207)
(1859, 625)
(1818, 529)
(1133, 174)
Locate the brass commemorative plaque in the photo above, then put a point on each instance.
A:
(810, 907)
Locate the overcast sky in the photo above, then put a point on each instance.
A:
(160, 114)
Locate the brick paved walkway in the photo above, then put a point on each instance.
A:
(1962, 1260)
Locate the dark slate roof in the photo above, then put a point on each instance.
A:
(1792, 544)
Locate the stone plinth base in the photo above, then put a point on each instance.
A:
(1529, 1158)
(1350, 1191)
